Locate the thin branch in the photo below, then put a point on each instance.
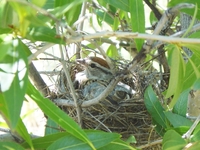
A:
(34, 55)
(67, 74)
(157, 14)
(178, 34)
(131, 35)
(189, 132)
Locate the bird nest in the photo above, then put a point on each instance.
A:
(129, 117)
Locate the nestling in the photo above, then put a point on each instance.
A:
(95, 78)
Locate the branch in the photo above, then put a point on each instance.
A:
(131, 35)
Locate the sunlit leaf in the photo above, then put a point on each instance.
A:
(177, 73)
(112, 52)
(14, 78)
(137, 20)
(23, 11)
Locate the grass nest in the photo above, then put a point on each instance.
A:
(129, 117)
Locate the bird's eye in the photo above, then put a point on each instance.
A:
(92, 65)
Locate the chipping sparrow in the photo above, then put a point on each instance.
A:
(96, 76)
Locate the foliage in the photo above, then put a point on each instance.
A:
(37, 21)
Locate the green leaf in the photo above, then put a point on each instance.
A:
(5, 48)
(137, 20)
(112, 52)
(131, 139)
(180, 107)
(177, 73)
(5, 30)
(118, 145)
(44, 142)
(154, 107)
(98, 138)
(57, 115)
(23, 11)
(121, 4)
(103, 16)
(195, 137)
(173, 140)
(70, 8)
(39, 3)
(7, 16)
(45, 34)
(190, 76)
(14, 76)
(69, 143)
(177, 120)
(10, 146)
(194, 146)
(191, 23)
(22, 131)
(51, 127)
(182, 129)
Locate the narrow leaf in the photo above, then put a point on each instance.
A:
(14, 80)
(57, 115)
(44, 142)
(121, 4)
(98, 138)
(137, 20)
(51, 127)
(177, 73)
(44, 34)
(154, 107)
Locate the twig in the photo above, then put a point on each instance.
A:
(189, 132)
(34, 55)
(150, 144)
(157, 14)
(80, 28)
(67, 74)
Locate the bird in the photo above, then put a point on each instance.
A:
(96, 68)
(95, 77)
